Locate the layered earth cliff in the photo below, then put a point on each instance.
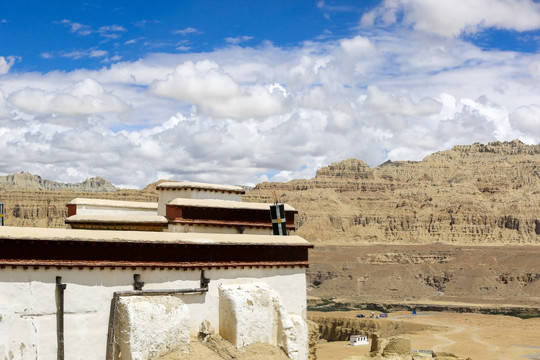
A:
(30, 181)
(475, 194)
(434, 234)
(28, 205)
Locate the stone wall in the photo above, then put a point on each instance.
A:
(254, 313)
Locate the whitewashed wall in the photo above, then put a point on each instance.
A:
(91, 209)
(28, 304)
(217, 229)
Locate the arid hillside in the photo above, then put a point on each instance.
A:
(26, 180)
(459, 228)
(488, 279)
(28, 200)
(475, 194)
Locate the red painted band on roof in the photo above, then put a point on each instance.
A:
(224, 216)
(72, 209)
(135, 254)
(133, 265)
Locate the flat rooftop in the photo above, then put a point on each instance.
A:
(124, 219)
(225, 204)
(180, 185)
(108, 236)
(115, 203)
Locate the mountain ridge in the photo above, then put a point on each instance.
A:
(27, 180)
(470, 194)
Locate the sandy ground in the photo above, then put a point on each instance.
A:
(480, 337)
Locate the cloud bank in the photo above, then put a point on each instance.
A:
(452, 17)
(404, 86)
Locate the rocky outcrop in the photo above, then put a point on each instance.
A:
(340, 329)
(397, 346)
(214, 347)
(313, 339)
(474, 194)
(253, 313)
(150, 327)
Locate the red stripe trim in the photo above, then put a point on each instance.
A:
(153, 265)
(73, 253)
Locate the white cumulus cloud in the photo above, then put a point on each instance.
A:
(380, 101)
(357, 46)
(527, 120)
(453, 17)
(83, 98)
(216, 93)
(6, 63)
(241, 115)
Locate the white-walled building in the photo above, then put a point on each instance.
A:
(358, 340)
(182, 207)
(118, 294)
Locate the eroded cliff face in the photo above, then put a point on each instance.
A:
(24, 180)
(333, 328)
(30, 200)
(474, 194)
(44, 208)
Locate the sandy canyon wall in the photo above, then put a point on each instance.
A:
(475, 194)
(28, 202)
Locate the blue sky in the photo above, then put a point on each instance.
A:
(66, 35)
(242, 92)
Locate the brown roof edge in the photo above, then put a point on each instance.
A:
(32, 252)
(133, 265)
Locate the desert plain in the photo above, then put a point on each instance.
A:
(460, 294)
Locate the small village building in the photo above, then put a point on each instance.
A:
(358, 340)
(153, 276)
